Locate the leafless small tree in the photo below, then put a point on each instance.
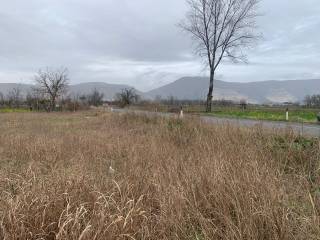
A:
(127, 96)
(312, 100)
(221, 29)
(243, 104)
(15, 97)
(2, 100)
(53, 83)
(95, 98)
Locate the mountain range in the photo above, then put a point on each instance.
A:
(253, 92)
(195, 88)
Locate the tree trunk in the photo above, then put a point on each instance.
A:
(53, 104)
(210, 93)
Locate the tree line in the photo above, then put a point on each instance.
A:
(312, 101)
(34, 101)
(50, 93)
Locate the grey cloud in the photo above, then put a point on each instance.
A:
(138, 42)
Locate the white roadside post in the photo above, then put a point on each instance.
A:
(287, 114)
(181, 112)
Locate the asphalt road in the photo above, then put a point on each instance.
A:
(299, 128)
(312, 130)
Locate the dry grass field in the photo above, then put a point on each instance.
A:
(172, 179)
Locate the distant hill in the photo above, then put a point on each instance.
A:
(109, 90)
(254, 92)
(195, 88)
(5, 88)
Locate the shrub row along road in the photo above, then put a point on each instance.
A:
(312, 130)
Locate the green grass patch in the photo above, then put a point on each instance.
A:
(296, 115)
(14, 110)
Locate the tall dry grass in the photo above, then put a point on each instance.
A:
(173, 179)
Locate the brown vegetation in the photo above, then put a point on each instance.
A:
(172, 179)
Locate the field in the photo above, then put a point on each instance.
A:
(273, 114)
(255, 112)
(169, 179)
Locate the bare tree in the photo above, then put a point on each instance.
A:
(35, 100)
(221, 29)
(95, 98)
(2, 100)
(52, 83)
(15, 97)
(308, 101)
(127, 96)
(243, 104)
(312, 101)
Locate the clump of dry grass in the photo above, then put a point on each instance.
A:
(173, 179)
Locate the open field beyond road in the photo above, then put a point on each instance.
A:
(295, 115)
(303, 129)
(170, 179)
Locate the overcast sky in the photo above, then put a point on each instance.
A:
(137, 42)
